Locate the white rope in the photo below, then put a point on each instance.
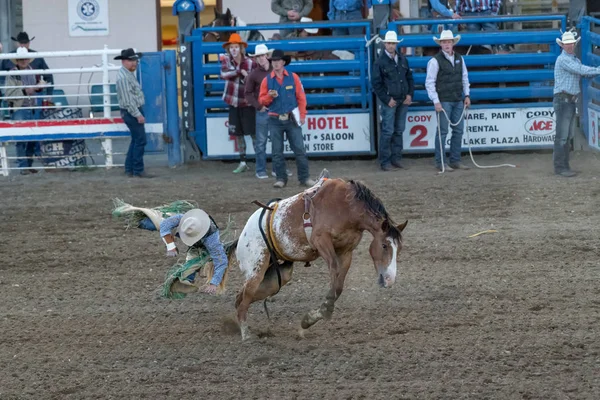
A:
(442, 145)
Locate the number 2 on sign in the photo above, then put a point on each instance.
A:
(421, 132)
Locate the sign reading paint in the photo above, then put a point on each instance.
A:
(325, 134)
(88, 18)
(494, 128)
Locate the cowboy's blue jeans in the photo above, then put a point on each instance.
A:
(25, 150)
(454, 111)
(260, 144)
(486, 26)
(393, 121)
(277, 128)
(565, 116)
(355, 15)
(134, 162)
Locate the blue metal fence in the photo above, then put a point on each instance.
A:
(590, 55)
(341, 83)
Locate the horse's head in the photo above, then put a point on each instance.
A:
(384, 250)
(221, 19)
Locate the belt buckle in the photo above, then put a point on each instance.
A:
(284, 117)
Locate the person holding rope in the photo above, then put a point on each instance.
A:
(447, 85)
(567, 72)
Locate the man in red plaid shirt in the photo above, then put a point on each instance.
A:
(235, 67)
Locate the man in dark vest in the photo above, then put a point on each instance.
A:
(283, 94)
(447, 85)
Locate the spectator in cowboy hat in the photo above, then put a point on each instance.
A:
(20, 86)
(447, 85)
(131, 101)
(235, 68)
(23, 40)
(568, 70)
(291, 11)
(394, 86)
(305, 32)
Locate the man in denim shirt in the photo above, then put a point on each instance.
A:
(568, 70)
(394, 86)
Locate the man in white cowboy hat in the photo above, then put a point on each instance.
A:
(20, 86)
(568, 70)
(447, 85)
(196, 228)
(394, 86)
(235, 68)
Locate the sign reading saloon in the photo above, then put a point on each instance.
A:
(88, 18)
(500, 128)
(326, 134)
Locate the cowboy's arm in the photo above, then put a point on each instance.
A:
(496, 6)
(278, 9)
(226, 72)
(166, 227)
(378, 84)
(249, 89)
(47, 77)
(218, 255)
(410, 80)
(15, 88)
(432, 71)
(331, 12)
(263, 97)
(308, 6)
(125, 98)
(300, 97)
(572, 65)
(440, 8)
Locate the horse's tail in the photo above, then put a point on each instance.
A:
(210, 267)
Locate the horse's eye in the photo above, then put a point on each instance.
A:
(385, 246)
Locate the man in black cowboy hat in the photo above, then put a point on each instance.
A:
(283, 93)
(37, 63)
(131, 100)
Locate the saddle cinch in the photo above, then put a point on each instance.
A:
(269, 209)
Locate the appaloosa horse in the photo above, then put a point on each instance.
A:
(327, 220)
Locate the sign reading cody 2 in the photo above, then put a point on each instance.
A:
(501, 128)
(325, 135)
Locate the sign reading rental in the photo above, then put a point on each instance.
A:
(324, 134)
(88, 17)
(494, 128)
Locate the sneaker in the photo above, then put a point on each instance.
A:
(397, 165)
(447, 168)
(241, 168)
(279, 184)
(459, 166)
(387, 168)
(262, 175)
(287, 171)
(129, 174)
(567, 174)
(308, 183)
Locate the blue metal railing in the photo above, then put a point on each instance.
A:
(590, 87)
(350, 87)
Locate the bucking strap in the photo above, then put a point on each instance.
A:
(274, 260)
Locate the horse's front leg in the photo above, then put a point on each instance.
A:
(338, 268)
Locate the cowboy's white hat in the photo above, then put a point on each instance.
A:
(20, 52)
(391, 37)
(312, 31)
(447, 35)
(568, 38)
(193, 226)
(261, 49)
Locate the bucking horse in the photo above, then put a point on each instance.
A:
(328, 221)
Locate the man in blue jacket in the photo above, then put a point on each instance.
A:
(394, 86)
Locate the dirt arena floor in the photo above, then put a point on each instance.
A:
(507, 315)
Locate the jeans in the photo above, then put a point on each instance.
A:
(24, 149)
(260, 144)
(347, 16)
(393, 121)
(454, 111)
(134, 162)
(486, 26)
(296, 141)
(565, 116)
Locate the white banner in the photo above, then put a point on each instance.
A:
(324, 134)
(488, 129)
(594, 128)
(88, 17)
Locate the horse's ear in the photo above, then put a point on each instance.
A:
(228, 14)
(402, 226)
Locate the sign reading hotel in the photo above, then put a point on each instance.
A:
(324, 134)
(88, 18)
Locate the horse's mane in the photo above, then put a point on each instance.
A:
(375, 207)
